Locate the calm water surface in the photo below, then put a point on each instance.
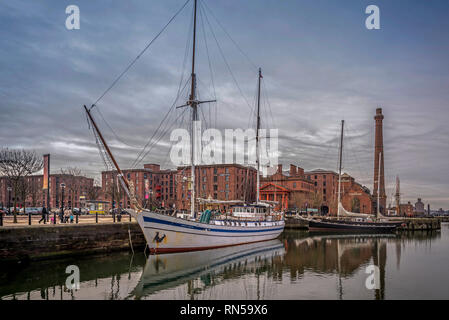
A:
(298, 265)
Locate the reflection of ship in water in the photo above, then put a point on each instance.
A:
(211, 266)
(342, 255)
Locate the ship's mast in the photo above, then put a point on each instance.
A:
(398, 197)
(339, 167)
(124, 182)
(194, 105)
(257, 139)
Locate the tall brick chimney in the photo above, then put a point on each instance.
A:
(293, 172)
(279, 168)
(379, 149)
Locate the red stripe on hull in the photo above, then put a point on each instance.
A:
(173, 250)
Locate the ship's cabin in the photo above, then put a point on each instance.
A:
(250, 211)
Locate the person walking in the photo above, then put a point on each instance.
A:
(44, 216)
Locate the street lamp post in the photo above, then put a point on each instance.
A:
(62, 201)
(9, 200)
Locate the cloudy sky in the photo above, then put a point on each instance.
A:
(319, 61)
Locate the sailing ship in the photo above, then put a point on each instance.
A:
(164, 233)
(352, 221)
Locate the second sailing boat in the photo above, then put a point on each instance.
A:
(351, 221)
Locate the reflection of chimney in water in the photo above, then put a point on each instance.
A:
(380, 259)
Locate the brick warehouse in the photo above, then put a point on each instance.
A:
(326, 187)
(170, 188)
(152, 186)
(220, 181)
(354, 196)
(77, 188)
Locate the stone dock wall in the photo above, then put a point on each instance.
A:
(295, 223)
(55, 241)
(412, 224)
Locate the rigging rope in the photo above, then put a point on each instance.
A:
(139, 55)
(226, 63)
(229, 36)
(141, 155)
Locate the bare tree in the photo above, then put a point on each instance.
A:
(115, 191)
(70, 175)
(16, 165)
(298, 199)
(317, 199)
(93, 192)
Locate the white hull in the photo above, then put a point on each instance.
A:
(171, 270)
(170, 234)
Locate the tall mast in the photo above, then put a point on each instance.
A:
(378, 188)
(124, 182)
(194, 105)
(339, 167)
(257, 139)
(398, 197)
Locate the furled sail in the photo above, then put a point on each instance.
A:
(343, 212)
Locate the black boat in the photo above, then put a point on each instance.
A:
(350, 221)
(352, 225)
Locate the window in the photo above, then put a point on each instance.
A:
(227, 178)
(215, 187)
(227, 186)
(215, 178)
(294, 184)
(215, 170)
(204, 179)
(227, 170)
(144, 175)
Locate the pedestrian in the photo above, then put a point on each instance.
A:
(71, 217)
(67, 215)
(44, 216)
(119, 217)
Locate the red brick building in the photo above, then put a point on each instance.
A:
(326, 186)
(354, 196)
(220, 181)
(407, 209)
(76, 190)
(152, 185)
(291, 189)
